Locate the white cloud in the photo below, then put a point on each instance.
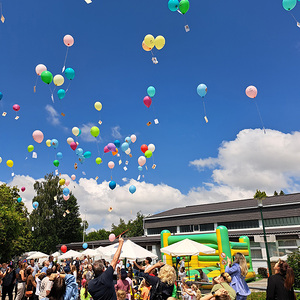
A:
(115, 132)
(124, 179)
(53, 117)
(86, 133)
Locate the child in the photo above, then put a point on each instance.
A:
(84, 294)
(121, 295)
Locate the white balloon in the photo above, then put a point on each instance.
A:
(151, 147)
(0, 160)
(133, 138)
(142, 160)
(70, 140)
(128, 151)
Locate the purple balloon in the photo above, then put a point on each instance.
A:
(111, 147)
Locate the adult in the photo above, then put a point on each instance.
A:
(46, 285)
(76, 263)
(193, 292)
(45, 267)
(203, 276)
(21, 282)
(74, 271)
(238, 272)
(102, 287)
(30, 285)
(182, 273)
(223, 281)
(89, 274)
(34, 267)
(182, 262)
(280, 285)
(8, 282)
(147, 265)
(64, 287)
(51, 262)
(38, 280)
(123, 284)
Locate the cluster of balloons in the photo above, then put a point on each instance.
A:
(151, 92)
(116, 145)
(181, 6)
(149, 42)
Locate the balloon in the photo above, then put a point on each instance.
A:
(128, 140)
(66, 191)
(98, 160)
(23, 188)
(95, 131)
(147, 101)
(30, 148)
(117, 143)
(47, 77)
(67, 182)
(54, 143)
(79, 151)
(111, 147)
(68, 40)
(144, 148)
(133, 138)
(111, 237)
(70, 140)
(140, 168)
(35, 204)
(38, 136)
(289, 4)
(48, 143)
(151, 147)
(58, 80)
(202, 90)
(184, 6)
(106, 150)
(173, 5)
(159, 42)
(19, 200)
(128, 151)
(73, 146)
(62, 181)
(63, 248)
(124, 146)
(10, 163)
(1, 96)
(115, 152)
(0, 160)
(98, 105)
(73, 177)
(148, 153)
(39, 69)
(251, 91)
(59, 155)
(75, 131)
(70, 73)
(149, 41)
(132, 189)
(66, 197)
(111, 164)
(61, 94)
(81, 159)
(56, 163)
(151, 91)
(87, 154)
(84, 245)
(112, 185)
(16, 107)
(142, 160)
(145, 47)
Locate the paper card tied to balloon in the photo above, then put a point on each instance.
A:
(88, 1)
(298, 24)
(187, 28)
(63, 114)
(125, 168)
(75, 166)
(2, 19)
(99, 122)
(17, 118)
(110, 209)
(149, 123)
(130, 155)
(96, 178)
(156, 121)
(4, 114)
(206, 120)
(34, 155)
(120, 162)
(153, 166)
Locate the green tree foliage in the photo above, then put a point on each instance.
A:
(100, 234)
(260, 195)
(281, 193)
(55, 221)
(294, 262)
(275, 193)
(15, 235)
(118, 229)
(136, 227)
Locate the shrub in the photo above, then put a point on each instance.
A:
(294, 262)
(262, 272)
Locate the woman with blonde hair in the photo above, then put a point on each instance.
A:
(193, 292)
(238, 271)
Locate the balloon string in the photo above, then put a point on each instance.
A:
(204, 108)
(35, 83)
(152, 53)
(68, 86)
(293, 17)
(262, 123)
(65, 60)
(97, 147)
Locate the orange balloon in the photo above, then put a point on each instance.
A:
(145, 47)
(115, 153)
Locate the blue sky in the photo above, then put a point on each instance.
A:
(231, 45)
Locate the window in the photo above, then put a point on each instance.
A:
(207, 227)
(186, 228)
(254, 244)
(282, 221)
(150, 231)
(256, 254)
(149, 248)
(287, 243)
(196, 227)
(240, 224)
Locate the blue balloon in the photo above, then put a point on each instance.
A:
(82, 159)
(112, 185)
(87, 154)
(173, 6)
(125, 146)
(117, 143)
(128, 140)
(35, 204)
(79, 132)
(1, 95)
(54, 143)
(140, 168)
(70, 73)
(132, 189)
(84, 245)
(202, 90)
(19, 200)
(79, 151)
(151, 89)
(61, 93)
(59, 155)
(66, 191)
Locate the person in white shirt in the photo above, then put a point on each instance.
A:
(46, 285)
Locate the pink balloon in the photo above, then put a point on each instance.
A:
(66, 197)
(73, 145)
(73, 177)
(111, 164)
(39, 69)
(251, 91)
(106, 150)
(133, 138)
(23, 189)
(147, 101)
(38, 136)
(16, 107)
(142, 160)
(67, 182)
(68, 40)
(111, 237)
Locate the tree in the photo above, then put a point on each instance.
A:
(15, 235)
(118, 229)
(100, 234)
(260, 195)
(281, 193)
(275, 193)
(294, 262)
(136, 227)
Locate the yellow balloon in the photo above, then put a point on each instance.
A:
(159, 42)
(48, 143)
(98, 105)
(62, 181)
(0, 160)
(10, 163)
(145, 47)
(149, 41)
(58, 80)
(75, 131)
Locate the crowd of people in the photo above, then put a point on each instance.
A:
(101, 280)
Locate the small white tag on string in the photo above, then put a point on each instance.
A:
(34, 155)
(146, 168)
(139, 177)
(4, 114)
(26, 157)
(56, 172)
(126, 162)
(88, 1)
(64, 215)
(118, 155)
(32, 228)
(120, 162)
(2, 19)
(12, 174)
(52, 98)
(155, 61)
(99, 122)
(96, 178)
(34, 89)
(125, 168)
(298, 24)
(156, 121)
(206, 120)
(187, 28)
(63, 69)
(153, 166)
(17, 118)
(83, 173)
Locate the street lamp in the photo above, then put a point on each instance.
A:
(260, 206)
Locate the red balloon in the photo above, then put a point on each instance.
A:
(106, 150)
(16, 107)
(144, 148)
(63, 248)
(147, 101)
(73, 145)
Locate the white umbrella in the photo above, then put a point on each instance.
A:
(37, 255)
(70, 254)
(90, 252)
(130, 250)
(56, 254)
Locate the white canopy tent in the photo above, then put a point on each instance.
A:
(56, 254)
(69, 254)
(90, 252)
(37, 255)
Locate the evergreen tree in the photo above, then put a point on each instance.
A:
(260, 195)
(100, 234)
(136, 226)
(275, 194)
(281, 193)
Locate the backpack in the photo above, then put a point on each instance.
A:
(156, 293)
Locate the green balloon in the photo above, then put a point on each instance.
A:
(95, 131)
(30, 148)
(148, 153)
(56, 163)
(47, 77)
(184, 6)
(98, 160)
(289, 4)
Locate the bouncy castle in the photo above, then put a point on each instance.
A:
(211, 264)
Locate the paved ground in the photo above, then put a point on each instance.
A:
(262, 284)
